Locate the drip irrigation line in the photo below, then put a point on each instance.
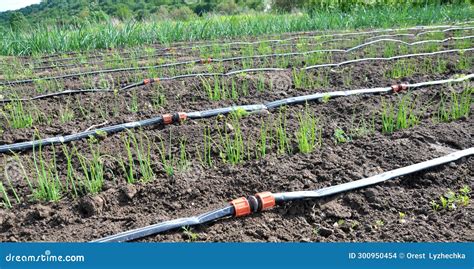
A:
(408, 43)
(266, 200)
(425, 32)
(49, 95)
(273, 40)
(387, 58)
(323, 36)
(170, 225)
(231, 73)
(295, 38)
(167, 119)
(209, 60)
(313, 34)
(146, 56)
(100, 58)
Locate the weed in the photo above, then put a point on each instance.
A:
(362, 127)
(340, 136)
(434, 205)
(326, 98)
(451, 200)
(379, 223)
(463, 197)
(190, 235)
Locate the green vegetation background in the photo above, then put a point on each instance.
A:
(57, 26)
(63, 12)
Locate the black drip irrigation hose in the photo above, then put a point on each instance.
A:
(266, 200)
(296, 36)
(165, 53)
(209, 60)
(231, 73)
(181, 116)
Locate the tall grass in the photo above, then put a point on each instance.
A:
(89, 36)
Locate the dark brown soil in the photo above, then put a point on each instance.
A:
(371, 214)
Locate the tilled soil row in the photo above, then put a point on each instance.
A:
(371, 214)
(93, 109)
(364, 215)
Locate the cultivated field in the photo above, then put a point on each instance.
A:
(120, 145)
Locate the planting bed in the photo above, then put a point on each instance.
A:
(111, 183)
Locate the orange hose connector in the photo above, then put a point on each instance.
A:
(206, 61)
(266, 200)
(167, 119)
(174, 118)
(150, 80)
(182, 116)
(399, 87)
(241, 207)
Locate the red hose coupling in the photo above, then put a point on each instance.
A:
(167, 119)
(174, 118)
(399, 87)
(206, 61)
(241, 207)
(150, 80)
(266, 200)
(182, 116)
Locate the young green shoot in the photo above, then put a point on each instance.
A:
(309, 134)
(49, 186)
(16, 116)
